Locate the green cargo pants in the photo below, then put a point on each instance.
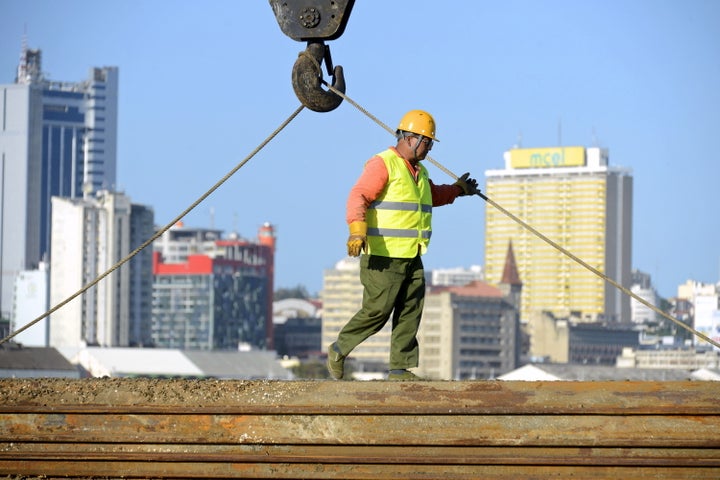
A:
(391, 286)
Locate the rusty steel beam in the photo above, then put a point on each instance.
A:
(181, 469)
(140, 428)
(461, 429)
(400, 454)
(326, 397)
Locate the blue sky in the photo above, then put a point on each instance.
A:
(203, 83)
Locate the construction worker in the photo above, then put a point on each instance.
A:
(389, 213)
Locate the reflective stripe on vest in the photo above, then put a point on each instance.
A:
(398, 232)
(400, 206)
(399, 221)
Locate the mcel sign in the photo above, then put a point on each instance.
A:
(547, 157)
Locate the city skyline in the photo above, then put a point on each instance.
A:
(194, 100)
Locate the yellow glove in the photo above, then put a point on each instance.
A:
(357, 240)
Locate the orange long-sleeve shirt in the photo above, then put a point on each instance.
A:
(372, 182)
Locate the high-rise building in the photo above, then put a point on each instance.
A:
(211, 293)
(89, 237)
(142, 228)
(575, 198)
(642, 286)
(56, 139)
(467, 332)
(705, 299)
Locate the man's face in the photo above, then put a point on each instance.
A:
(421, 145)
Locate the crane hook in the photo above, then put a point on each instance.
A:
(307, 78)
(314, 21)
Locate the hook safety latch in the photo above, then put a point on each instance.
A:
(313, 22)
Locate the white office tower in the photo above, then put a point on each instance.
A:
(707, 318)
(56, 139)
(643, 288)
(89, 237)
(575, 198)
(30, 301)
(342, 298)
(705, 298)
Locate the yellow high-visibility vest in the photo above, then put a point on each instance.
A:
(399, 220)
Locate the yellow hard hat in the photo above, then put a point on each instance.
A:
(419, 122)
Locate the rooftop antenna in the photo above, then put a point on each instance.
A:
(559, 132)
(595, 138)
(518, 143)
(212, 218)
(29, 69)
(22, 66)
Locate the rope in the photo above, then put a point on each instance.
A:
(540, 235)
(162, 230)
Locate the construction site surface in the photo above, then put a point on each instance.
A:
(177, 428)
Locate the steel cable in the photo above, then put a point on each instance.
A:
(161, 231)
(535, 232)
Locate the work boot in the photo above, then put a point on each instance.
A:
(335, 362)
(403, 376)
